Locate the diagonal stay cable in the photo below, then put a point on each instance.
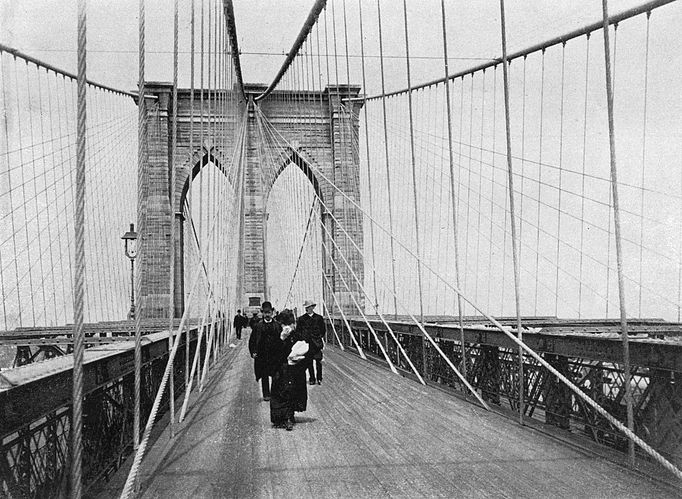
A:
(508, 332)
(300, 253)
(132, 476)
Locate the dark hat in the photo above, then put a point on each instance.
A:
(266, 306)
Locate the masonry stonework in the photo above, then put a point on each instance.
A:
(318, 128)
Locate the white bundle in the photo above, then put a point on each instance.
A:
(298, 351)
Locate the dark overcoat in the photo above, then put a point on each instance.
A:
(312, 329)
(289, 386)
(265, 342)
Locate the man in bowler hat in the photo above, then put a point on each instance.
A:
(265, 347)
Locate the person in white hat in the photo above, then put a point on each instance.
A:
(311, 327)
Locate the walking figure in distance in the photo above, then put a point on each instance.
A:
(238, 323)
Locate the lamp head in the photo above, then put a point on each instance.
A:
(130, 240)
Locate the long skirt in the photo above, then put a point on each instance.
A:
(289, 393)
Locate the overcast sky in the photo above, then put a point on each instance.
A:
(266, 29)
(47, 29)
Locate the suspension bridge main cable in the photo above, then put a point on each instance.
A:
(303, 34)
(614, 19)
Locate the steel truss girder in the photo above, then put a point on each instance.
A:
(35, 453)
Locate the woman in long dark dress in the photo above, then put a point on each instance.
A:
(289, 387)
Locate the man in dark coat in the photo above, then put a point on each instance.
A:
(265, 348)
(311, 328)
(238, 323)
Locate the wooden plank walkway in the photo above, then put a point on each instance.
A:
(368, 433)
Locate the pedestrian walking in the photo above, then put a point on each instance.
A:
(312, 329)
(238, 323)
(289, 389)
(265, 347)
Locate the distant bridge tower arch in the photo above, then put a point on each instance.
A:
(294, 239)
(205, 171)
(324, 152)
(325, 145)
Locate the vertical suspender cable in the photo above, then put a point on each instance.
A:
(7, 163)
(348, 117)
(414, 166)
(452, 188)
(644, 120)
(201, 141)
(469, 175)
(191, 168)
(336, 98)
(561, 170)
(459, 174)
(480, 188)
(79, 277)
(141, 166)
(616, 222)
(326, 257)
(200, 238)
(39, 261)
(608, 226)
(582, 177)
(67, 185)
(54, 203)
(540, 166)
(369, 169)
(388, 169)
(523, 155)
(211, 194)
(11, 203)
(24, 204)
(492, 204)
(171, 201)
(510, 177)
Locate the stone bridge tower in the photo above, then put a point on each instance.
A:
(320, 138)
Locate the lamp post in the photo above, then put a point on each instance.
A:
(130, 240)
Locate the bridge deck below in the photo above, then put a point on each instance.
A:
(367, 433)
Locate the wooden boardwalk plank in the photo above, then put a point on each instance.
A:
(368, 433)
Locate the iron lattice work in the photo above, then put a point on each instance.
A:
(35, 457)
(493, 369)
